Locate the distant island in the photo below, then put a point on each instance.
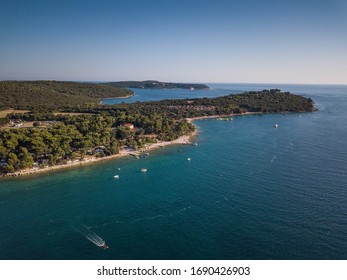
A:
(49, 133)
(156, 85)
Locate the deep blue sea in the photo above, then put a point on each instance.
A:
(250, 191)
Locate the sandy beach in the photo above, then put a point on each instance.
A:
(222, 116)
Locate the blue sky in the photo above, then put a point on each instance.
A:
(186, 41)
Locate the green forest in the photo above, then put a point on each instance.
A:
(74, 137)
(99, 130)
(53, 95)
(266, 101)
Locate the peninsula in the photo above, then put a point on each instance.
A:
(53, 134)
(156, 85)
(44, 95)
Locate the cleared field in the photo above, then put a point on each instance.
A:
(4, 113)
(71, 114)
(43, 125)
(25, 125)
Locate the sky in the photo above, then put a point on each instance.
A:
(244, 41)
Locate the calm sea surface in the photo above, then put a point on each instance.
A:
(250, 191)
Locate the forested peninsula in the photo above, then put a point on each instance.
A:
(46, 95)
(149, 84)
(59, 134)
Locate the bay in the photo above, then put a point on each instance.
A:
(250, 191)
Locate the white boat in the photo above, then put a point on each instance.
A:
(116, 176)
(189, 159)
(276, 125)
(144, 170)
(118, 168)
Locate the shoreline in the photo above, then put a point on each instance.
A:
(223, 116)
(183, 140)
(117, 97)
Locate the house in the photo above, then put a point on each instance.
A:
(100, 149)
(129, 126)
(16, 123)
(43, 161)
(3, 163)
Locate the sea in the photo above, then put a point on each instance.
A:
(249, 191)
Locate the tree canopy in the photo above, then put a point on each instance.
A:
(53, 95)
(101, 132)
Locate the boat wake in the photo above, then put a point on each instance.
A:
(273, 158)
(89, 234)
(94, 238)
(82, 229)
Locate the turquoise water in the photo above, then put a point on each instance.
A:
(159, 94)
(250, 191)
(217, 89)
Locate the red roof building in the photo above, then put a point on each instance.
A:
(129, 125)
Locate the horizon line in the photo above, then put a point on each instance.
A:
(108, 81)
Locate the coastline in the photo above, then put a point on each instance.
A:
(117, 97)
(183, 140)
(223, 116)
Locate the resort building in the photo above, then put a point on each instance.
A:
(129, 125)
